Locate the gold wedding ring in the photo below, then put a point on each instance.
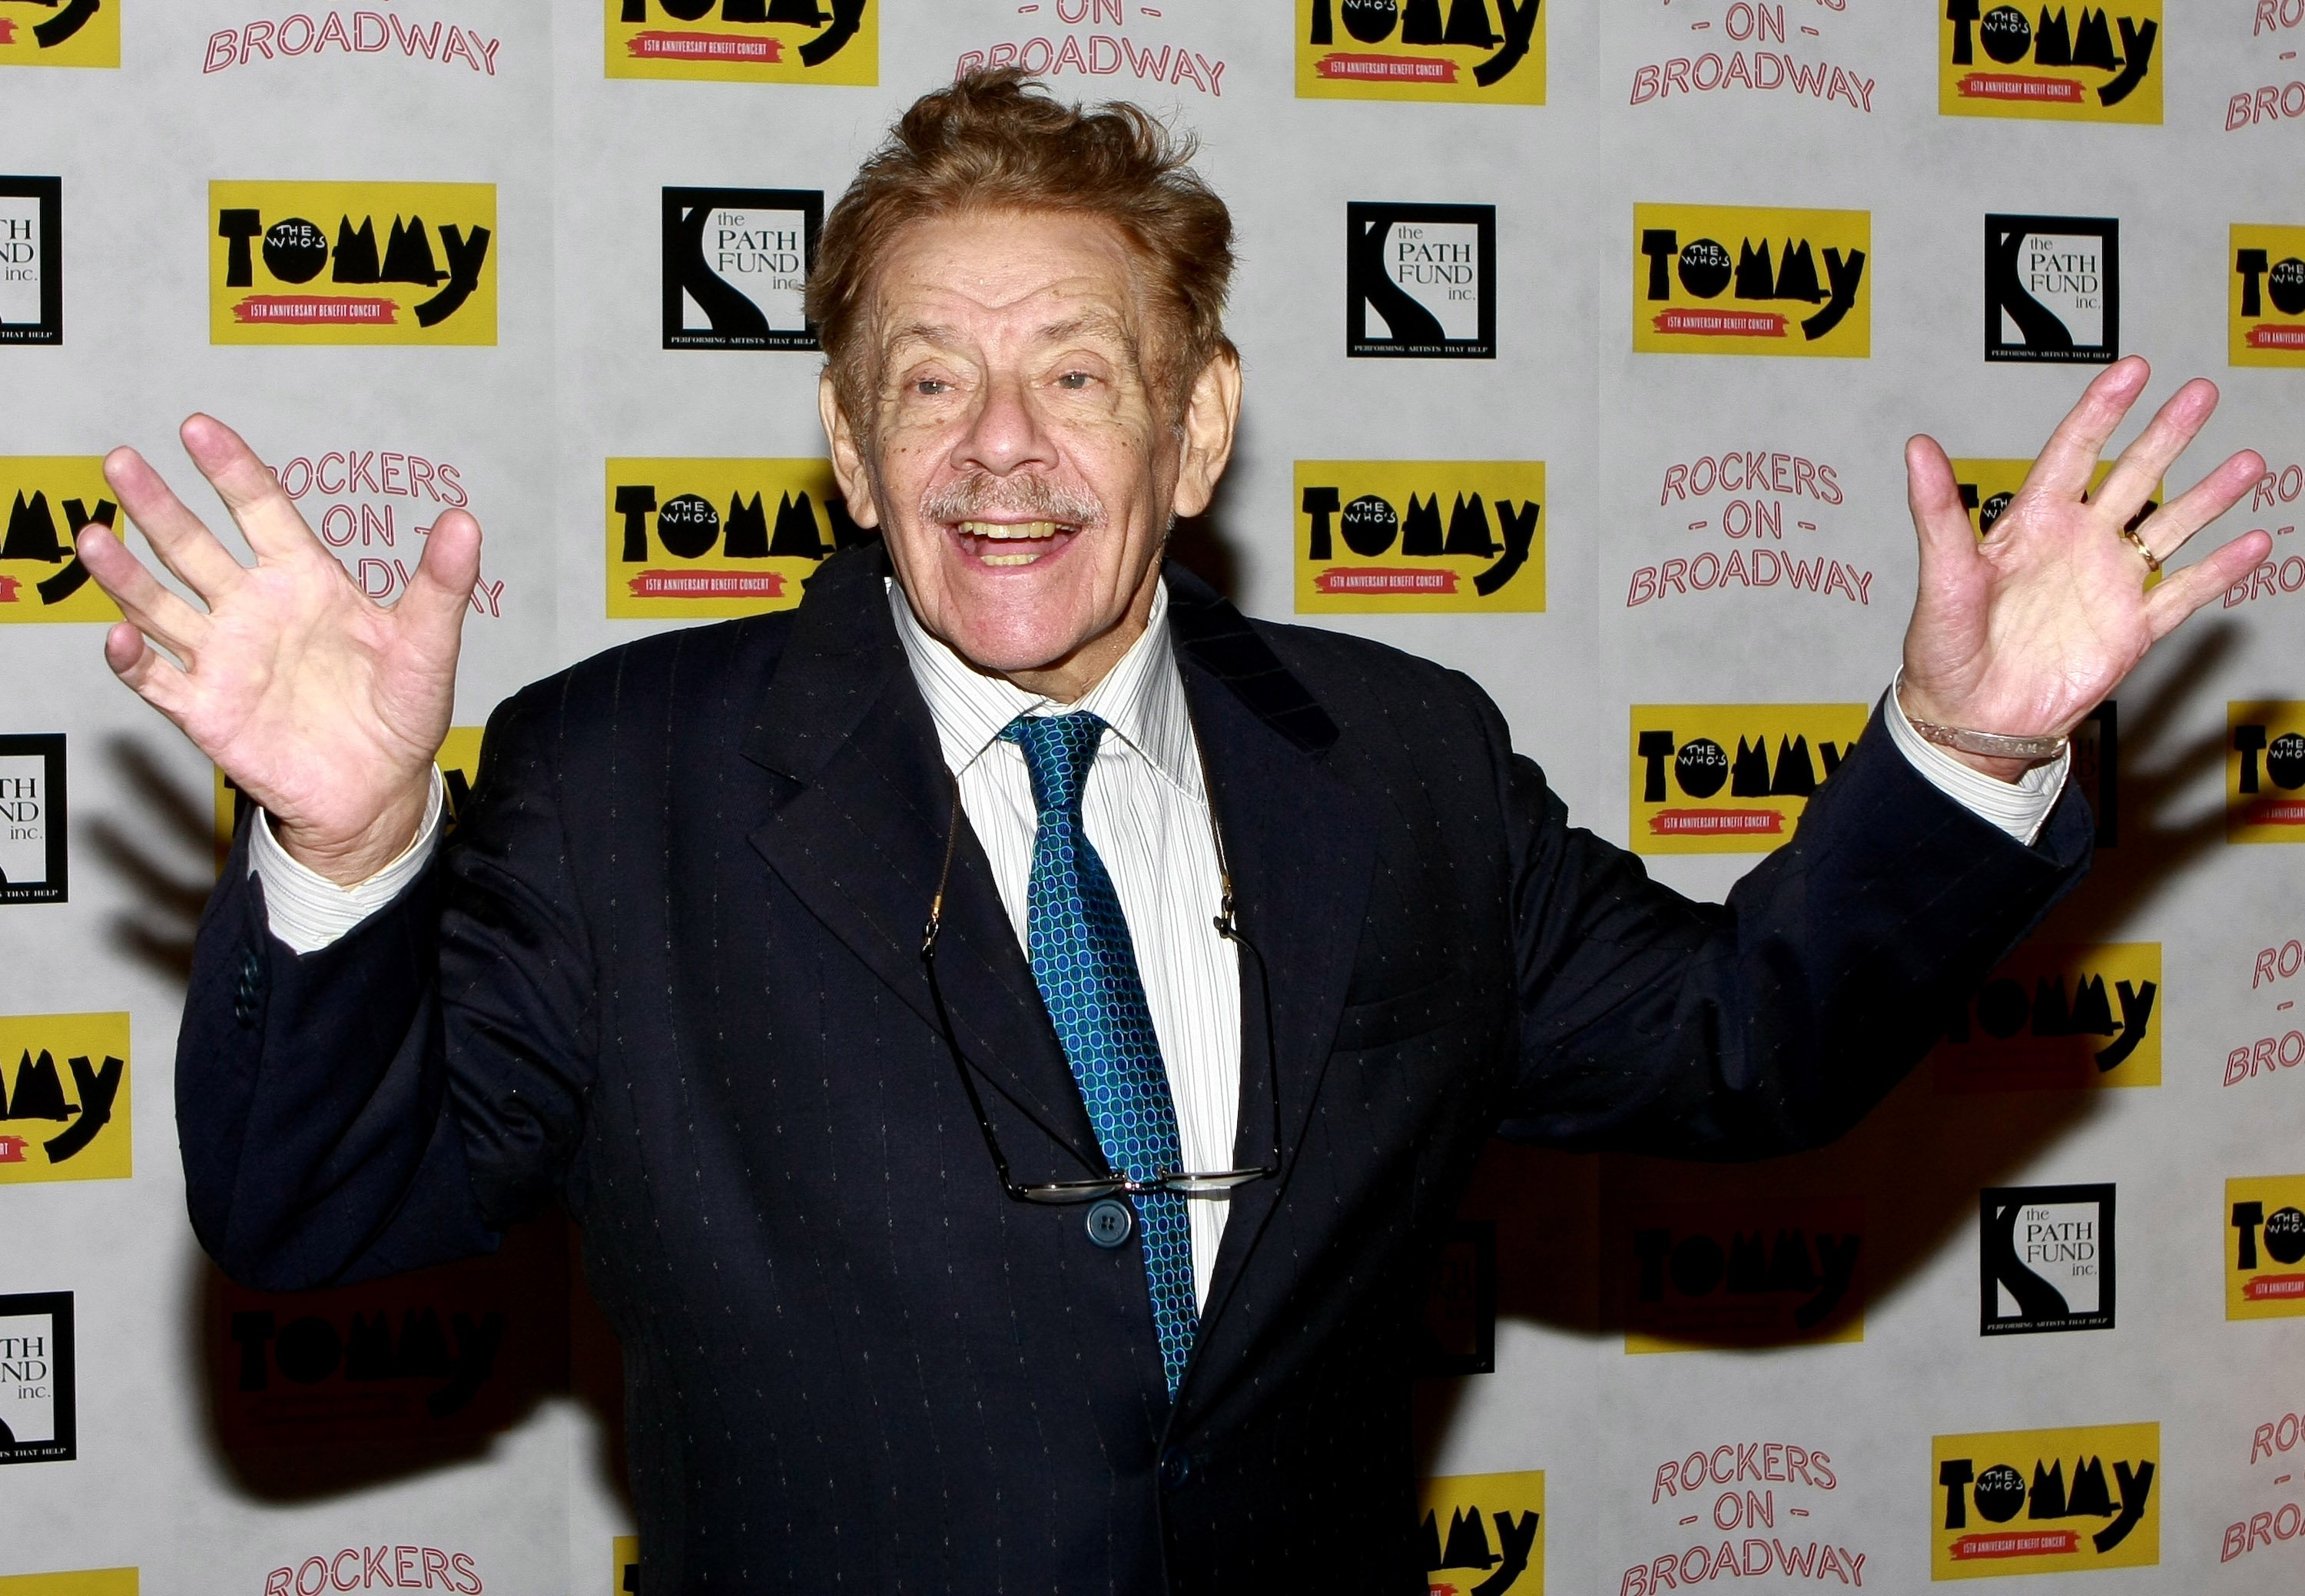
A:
(2152, 561)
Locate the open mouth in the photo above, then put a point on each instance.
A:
(1012, 543)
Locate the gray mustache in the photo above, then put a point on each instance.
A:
(981, 497)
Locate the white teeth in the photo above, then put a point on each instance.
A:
(1004, 531)
(1026, 559)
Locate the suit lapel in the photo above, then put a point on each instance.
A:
(1300, 845)
(859, 833)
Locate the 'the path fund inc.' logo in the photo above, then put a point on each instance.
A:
(2044, 1258)
(60, 32)
(38, 1416)
(2077, 63)
(2046, 1501)
(1734, 279)
(2264, 1246)
(1421, 281)
(717, 538)
(1379, 536)
(65, 1115)
(31, 261)
(2266, 303)
(1731, 778)
(351, 263)
(1483, 1535)
(2265, 772)
(2052, 289)
(754, 41)
(33, 852)
(1465, 52)
(50, 498)
(736, 266)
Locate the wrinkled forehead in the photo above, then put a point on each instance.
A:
(985, 283)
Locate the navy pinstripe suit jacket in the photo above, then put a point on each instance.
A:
(666, 971)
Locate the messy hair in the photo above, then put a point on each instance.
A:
(998, 142)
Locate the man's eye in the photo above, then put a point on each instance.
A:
(1075, 379)
(930, 385)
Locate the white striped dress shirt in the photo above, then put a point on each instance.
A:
(1146, 814)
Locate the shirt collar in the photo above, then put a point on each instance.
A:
(1142, 698)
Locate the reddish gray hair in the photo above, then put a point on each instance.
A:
(998, 140)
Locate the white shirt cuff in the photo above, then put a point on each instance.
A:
(306, 909)
(2019, 807)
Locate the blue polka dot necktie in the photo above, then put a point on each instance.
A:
(1086, 967)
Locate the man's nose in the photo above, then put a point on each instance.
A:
(1006, 434)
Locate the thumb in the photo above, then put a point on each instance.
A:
(442, 586)
(1940, 520)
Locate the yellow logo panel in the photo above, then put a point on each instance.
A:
(1484, 1532)
(2264, 1246)
(459, 760)
(93, 1582)
(717, 538)
(64, 1111)
(1736, 279)
(1459, 52)
(625, 1565)
(1731, 778)
(833, 41)
(2265, 299)
(2265, 772)
(1379, 537)
(2059, 1016)
(351, 263)
(60, 33)
(2046, 1501)
(50, 498)
(2085, 64)
(1693, 1277)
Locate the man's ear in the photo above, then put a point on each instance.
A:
(848, 467)
(1211, 412)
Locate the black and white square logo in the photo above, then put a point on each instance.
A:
(31, 261)
(2052, 288)
(2044, 1258)
(32, 862)
(38, 1423)
(736, 266)
(1421, 281)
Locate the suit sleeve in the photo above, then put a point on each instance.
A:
(1650, 1023)
(402, 1096)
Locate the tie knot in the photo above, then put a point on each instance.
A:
(1058, 751)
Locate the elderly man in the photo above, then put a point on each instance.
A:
(1011, 1030)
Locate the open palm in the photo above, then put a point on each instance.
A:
(2027, 630)
(323, 707)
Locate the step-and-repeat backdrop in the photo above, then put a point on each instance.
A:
(1580, 341)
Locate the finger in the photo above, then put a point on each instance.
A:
(183, 543)
(2069, 457)
(2134, 476)
(2181, 592)
(144, 669)
(150, 607)
(1940, 520)
(442, 587)
(2169, 528)
(266, 514)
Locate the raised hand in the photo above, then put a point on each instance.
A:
(2027, 631)
(321, 704)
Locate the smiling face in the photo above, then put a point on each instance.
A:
(1018, 456)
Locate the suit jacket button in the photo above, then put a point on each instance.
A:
(1175, 1467)
(1110, 1222)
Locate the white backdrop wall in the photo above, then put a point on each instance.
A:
(1785, 1375)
